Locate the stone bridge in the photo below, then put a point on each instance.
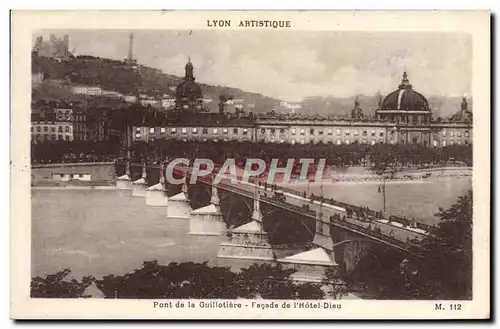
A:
(270, 224)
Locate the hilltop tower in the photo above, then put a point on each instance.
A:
(130, 59)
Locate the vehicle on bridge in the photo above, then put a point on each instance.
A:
(278, 195)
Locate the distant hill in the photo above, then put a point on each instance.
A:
(118, 76)
(441, 106)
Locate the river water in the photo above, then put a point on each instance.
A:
(102, 232)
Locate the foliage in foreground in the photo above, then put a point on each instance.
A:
(186, 280)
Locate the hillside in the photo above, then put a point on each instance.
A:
(117, 76)
(441, 106)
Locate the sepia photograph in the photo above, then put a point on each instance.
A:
(246, 164)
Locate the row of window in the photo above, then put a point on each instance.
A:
(51, 137)
(339, 141)
(458, 133)
(347, 132)
(452, 142)
(204, 131)
(52, 129)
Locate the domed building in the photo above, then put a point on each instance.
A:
(410, 113)
(188, 96)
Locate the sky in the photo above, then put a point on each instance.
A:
(291, 65)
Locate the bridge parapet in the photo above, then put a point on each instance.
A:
(306, 211)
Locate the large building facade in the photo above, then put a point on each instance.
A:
(402, 117)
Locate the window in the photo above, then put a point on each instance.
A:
(466, 133)
(355, 132)
(204, 131)
(311, 131)
(330, 132)
(80, 175)
(245, 131)
(137, 129)
(162, 130)
(466, 142)
(459, 133)
(338, 141)
(347, 132)
(302, 131)
(53, 137)
(302, 142)
(338, 132)
(31, 129)
(292, 141)
(292, 131)
(45, 129)
(444, 133)
(38, 129)
(282, 131)
(320, 132)
(373, 133)
(365, 141)
(66, 137)
(224, 130)
(53, 129)
(435, 143)
(273, 131)
(381, 134)
(151, 130)
(61, 138)
(136, 136)
(215, 133)
(365, 133)
(452, 133)
(347, 142)
(444, 143)
(452, 142)
(235, 131)
(184, 130)
(173, 130)
(262, 131)
(194, 130)
(459, 142)
(373, 142)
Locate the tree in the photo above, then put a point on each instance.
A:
(445, 269)
(54, 286)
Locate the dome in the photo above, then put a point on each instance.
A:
(188, 88)
(405, 98)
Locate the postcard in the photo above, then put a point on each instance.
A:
(250, 165)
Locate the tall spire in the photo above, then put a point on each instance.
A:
(189, 70)
(130, 47)
(464, 106)
(405, 82)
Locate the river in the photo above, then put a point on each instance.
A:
(102, 232)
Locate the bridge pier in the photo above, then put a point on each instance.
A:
(312, 265)
(249, 241)
(156, 195)
(208, 220)
(178, 205)
(139, 186)
(124, 182)
(350, 250)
